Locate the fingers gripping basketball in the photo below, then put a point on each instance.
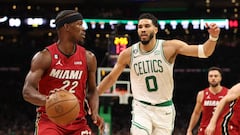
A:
(62, 107)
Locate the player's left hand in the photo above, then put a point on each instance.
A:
(213, 29)
(52, 92)
(97, 120)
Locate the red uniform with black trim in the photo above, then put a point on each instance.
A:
(229, 120)
(71, 74)
(209, 103)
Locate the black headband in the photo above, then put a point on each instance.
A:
(69, 19)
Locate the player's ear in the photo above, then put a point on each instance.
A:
(156, 30)
(66, 27)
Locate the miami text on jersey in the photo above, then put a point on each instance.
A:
(66, 74)
(211, 102)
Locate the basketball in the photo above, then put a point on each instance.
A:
(62, 107)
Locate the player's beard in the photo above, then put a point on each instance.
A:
(82, 42)
(145, 42)
(214, 84)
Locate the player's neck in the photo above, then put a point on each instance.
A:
(148, 47)
(67, 50)
(216, 89)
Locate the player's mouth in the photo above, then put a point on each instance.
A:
(83, 34)
(144, 37)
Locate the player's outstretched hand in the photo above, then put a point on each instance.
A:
(97, 120)
(213, 29)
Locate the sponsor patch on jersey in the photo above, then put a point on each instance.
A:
(77, 62)
(157, 52)
(220, 96)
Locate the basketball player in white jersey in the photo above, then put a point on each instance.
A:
(151, 62)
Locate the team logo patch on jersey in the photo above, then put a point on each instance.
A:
(77, 62)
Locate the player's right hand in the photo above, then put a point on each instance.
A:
(210, 129)
(213, 29)
(189, 133)
(97, 120)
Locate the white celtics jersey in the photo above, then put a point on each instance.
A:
(151, 75)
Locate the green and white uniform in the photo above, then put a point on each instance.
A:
(152, 88)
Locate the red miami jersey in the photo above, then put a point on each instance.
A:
(229, 120)
(209, 103)
(69, 73)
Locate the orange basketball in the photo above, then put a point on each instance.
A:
(62, 107)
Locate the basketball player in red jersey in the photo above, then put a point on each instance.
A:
(207, 101)
(64, 65)
(226, 121)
